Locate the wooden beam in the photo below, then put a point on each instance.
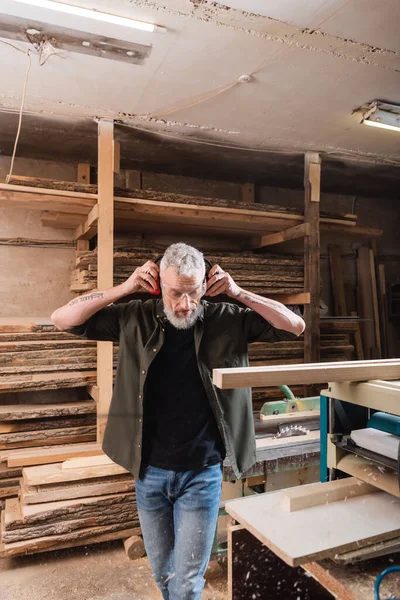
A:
(365, 308)
(292, 233)
(248, 192)
(375, 303)
(83, 173)
(105, 263)
(301, 298)
(366, 232)
(306, 374)
(339, 297)
(316, 494)
(88, 229)
(117, 156)
(312, 278)
(93, 391)
(133, 180)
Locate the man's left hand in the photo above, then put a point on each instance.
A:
(220, 282)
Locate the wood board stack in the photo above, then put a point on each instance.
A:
(35, 359)
(333, 347)
(152, 195)
(37, 356)
(265, 274)
(65, 505)
(9, 483)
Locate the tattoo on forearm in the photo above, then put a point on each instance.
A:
(88, 298)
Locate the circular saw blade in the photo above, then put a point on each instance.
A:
(291, 431)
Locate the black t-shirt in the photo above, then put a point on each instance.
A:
(180, 432)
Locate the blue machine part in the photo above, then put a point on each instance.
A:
(385, 422)
(378, 580)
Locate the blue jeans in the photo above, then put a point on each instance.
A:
(178, 514)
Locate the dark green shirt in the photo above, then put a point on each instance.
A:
(222, 333)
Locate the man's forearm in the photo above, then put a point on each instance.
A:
(272, 311)
(80, 309)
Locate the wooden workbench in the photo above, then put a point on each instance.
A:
(273, 551)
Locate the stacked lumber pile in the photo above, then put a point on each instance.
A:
(264, 274)
(39, 357)
(333, 347)
(65, 505)
(151, 195)
(9, 483)
(36, 358)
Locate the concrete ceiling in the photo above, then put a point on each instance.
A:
(312, 62)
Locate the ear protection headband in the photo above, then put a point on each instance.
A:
(208, 265)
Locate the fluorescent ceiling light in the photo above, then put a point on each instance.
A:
(96, 15)
(381, 114)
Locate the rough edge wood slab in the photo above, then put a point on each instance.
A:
(13, 412)
(45, 455)
(91, 535)
(54, 474)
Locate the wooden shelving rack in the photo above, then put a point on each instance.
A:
(101, 213)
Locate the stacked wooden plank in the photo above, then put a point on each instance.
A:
(36, 356)
(9, 483)
(64, 504)
(26, 426)
(152, 195)
(333, 347)
(265, 274)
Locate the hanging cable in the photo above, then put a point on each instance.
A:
(20, 110)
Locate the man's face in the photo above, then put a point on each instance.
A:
(181, 296)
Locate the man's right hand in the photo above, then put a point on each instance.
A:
(146, 277)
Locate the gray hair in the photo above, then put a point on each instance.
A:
(186, 259)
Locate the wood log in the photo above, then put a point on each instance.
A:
(134, 547)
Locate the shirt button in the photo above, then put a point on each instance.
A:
(143, 372)
(139, 446)
(140, 420)
(140, 396)
(154, 349)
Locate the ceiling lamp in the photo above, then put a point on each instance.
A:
(94, 14)
(381, 114)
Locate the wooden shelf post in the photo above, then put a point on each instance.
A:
(105, 250)
(312, 279)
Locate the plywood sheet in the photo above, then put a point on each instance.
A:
(320, 531)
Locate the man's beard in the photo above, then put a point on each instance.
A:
(182, 322)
